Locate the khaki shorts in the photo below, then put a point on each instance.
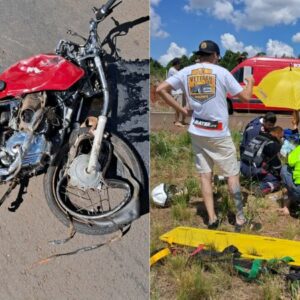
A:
(215, 152)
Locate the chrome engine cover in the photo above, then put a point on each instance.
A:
(38, 148)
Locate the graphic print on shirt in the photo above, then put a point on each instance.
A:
(202, 85)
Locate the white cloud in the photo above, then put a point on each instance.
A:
(229, 42)
(223, 10)
(154, 2)
(156, 25)
(250, 14)
(296, 37)
(173, 51)
(277, 48)
(252, 50)
(194, 5)
(273, 47)
(260, 13)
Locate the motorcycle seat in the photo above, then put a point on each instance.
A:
(2, 85)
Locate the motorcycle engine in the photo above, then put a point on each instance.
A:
(37, 153)
(30, 111)
(23, 143)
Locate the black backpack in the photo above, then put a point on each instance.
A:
(253, 153)
(252, 129)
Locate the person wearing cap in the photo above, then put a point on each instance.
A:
(177, 94)
(255, 126)
(206, 85)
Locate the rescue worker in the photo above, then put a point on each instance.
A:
(260, 160)
(290, 173)
(206, 85)
(254, 127)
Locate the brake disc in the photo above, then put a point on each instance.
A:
(80, 178)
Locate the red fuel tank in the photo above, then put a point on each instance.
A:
(39, 73)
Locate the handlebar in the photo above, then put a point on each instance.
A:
(104, 9)
(78, 52)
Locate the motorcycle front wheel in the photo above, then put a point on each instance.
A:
(111, 206)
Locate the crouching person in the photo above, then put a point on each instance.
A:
(260, 161)
(290, 175)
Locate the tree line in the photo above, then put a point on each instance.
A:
(228, 61)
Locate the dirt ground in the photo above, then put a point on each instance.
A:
(165, 278)
(273, 224)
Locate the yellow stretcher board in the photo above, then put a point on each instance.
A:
(251, 246)
(159, 255)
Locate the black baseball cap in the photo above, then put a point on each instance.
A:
(175, 61)
(208, 47)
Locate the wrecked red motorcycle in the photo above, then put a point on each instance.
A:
(93, 179)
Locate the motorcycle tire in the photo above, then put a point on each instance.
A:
(121, 150)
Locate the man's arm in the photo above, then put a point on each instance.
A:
(246, 94)
(164, 90)
(295, 121)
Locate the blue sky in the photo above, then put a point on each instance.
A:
(178, 26)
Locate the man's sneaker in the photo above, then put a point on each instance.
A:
(214, 225)
(253, 226)
(178, 124)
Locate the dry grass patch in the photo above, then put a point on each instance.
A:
(172, 163)
(291, 231)
(272, 288)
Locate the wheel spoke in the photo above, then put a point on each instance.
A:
(117, 188)
(96, 202)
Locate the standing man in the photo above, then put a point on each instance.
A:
(177, 94)
(206, 85)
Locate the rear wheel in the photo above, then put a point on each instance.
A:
(94, 208)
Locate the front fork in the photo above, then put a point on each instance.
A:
(102, 119)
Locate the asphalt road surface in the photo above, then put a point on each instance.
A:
(115, 271)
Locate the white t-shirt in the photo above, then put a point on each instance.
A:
(206, 86)
(172, 71)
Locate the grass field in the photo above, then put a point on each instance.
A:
(176, 277)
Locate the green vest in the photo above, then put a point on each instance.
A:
(294, 162)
